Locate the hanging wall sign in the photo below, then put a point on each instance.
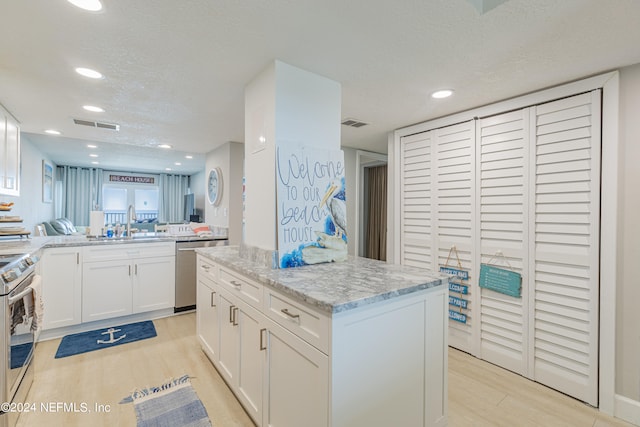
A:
(460, 274)
(458, 288)
(458, 317)
(311, 206)
(500, 280)
(458, 302)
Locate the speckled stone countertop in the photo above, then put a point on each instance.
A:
(35, 244)
(332, 287)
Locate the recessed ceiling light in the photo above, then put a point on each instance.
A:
(93, 155)
(177, 163)
(188, 156)
(53, 132)
(444, 93)
(167, 169)
(88, 72)
(92, 146)
(95, 163)
(164, 146)
(93, 108)
(90, 5)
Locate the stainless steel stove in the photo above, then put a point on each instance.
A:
(18, 332)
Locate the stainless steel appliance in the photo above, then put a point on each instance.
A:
(186, 269)
(18, 333)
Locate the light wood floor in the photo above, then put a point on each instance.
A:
(480, 394)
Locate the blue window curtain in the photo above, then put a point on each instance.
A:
(80, 192)
(172, 189)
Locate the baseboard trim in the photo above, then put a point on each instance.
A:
(627, 409)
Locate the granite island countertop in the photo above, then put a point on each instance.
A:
(332, 287)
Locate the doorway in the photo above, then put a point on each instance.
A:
(372, 205)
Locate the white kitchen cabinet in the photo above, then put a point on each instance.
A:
(228, 359)
(106, 290)
(119, 280)
(207, 323)
(9, 154)
(153, 283)
(62, 286)
(295, 379)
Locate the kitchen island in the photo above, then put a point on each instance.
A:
(358, 343)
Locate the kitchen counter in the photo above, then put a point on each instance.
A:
(34, 244)
(333, 287)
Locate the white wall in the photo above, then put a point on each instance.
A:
(229, 158)
(29, 204)
(628, 295)
(350, 166)
(289, 107)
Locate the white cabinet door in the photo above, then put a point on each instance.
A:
(9, 154)
(296, 379)
(228, 354)
(106, 290)
(207, 322)
(62, 287)
(153, 283)
(250, 362)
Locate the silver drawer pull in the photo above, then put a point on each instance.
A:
(291, 315)
(205, 267)
(236, 284)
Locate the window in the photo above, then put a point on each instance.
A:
(117, 198)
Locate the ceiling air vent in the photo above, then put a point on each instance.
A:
(354, 123)
(93, 124)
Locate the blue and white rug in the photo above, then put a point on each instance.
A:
(104, 338)
(171, 404)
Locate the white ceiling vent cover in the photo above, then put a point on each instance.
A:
(91, 123)
(354, 123)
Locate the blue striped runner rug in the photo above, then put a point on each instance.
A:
(171, 404)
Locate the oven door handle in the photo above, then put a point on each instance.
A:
(21, 295)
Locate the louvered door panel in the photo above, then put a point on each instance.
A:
(415, 209)
(565, 247)
(454, 166)
(503, 205)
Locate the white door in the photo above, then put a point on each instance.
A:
(62, 286)
(454, 222)
(564, 245)
(153, 283)
(207, 317)
(503, 212)
(228, 354)
(250, 363)
(521, 190)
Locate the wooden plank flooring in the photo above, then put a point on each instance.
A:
(480, 394)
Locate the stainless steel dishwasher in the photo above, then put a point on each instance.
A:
(186, 270)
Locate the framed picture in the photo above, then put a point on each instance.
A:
(47, 182)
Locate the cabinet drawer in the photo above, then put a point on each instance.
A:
(106, 252)
(207, 269)
(310, 325)
(247, 289)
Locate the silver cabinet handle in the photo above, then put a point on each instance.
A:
(231, 307)
(236, 284)
(212, 294)
(129, 269)
(263, 345)
(235, 316)
(291, 315)
(205, 267)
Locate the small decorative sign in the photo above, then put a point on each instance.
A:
(460, 274)
(131, 178)
(500, 280)
(458, 288)
(458, 302)
(458, 317)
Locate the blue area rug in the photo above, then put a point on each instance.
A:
(171, 404)
(19, 354)
(105, 338)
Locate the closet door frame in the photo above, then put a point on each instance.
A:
(609, 82)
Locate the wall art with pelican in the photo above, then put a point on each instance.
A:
(311, 203)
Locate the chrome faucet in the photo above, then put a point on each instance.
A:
(131, 216)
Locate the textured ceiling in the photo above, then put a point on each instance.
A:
(176, 70)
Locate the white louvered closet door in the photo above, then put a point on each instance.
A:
(454, 222)
(565, 245)
(415, 209)
(503, 217)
